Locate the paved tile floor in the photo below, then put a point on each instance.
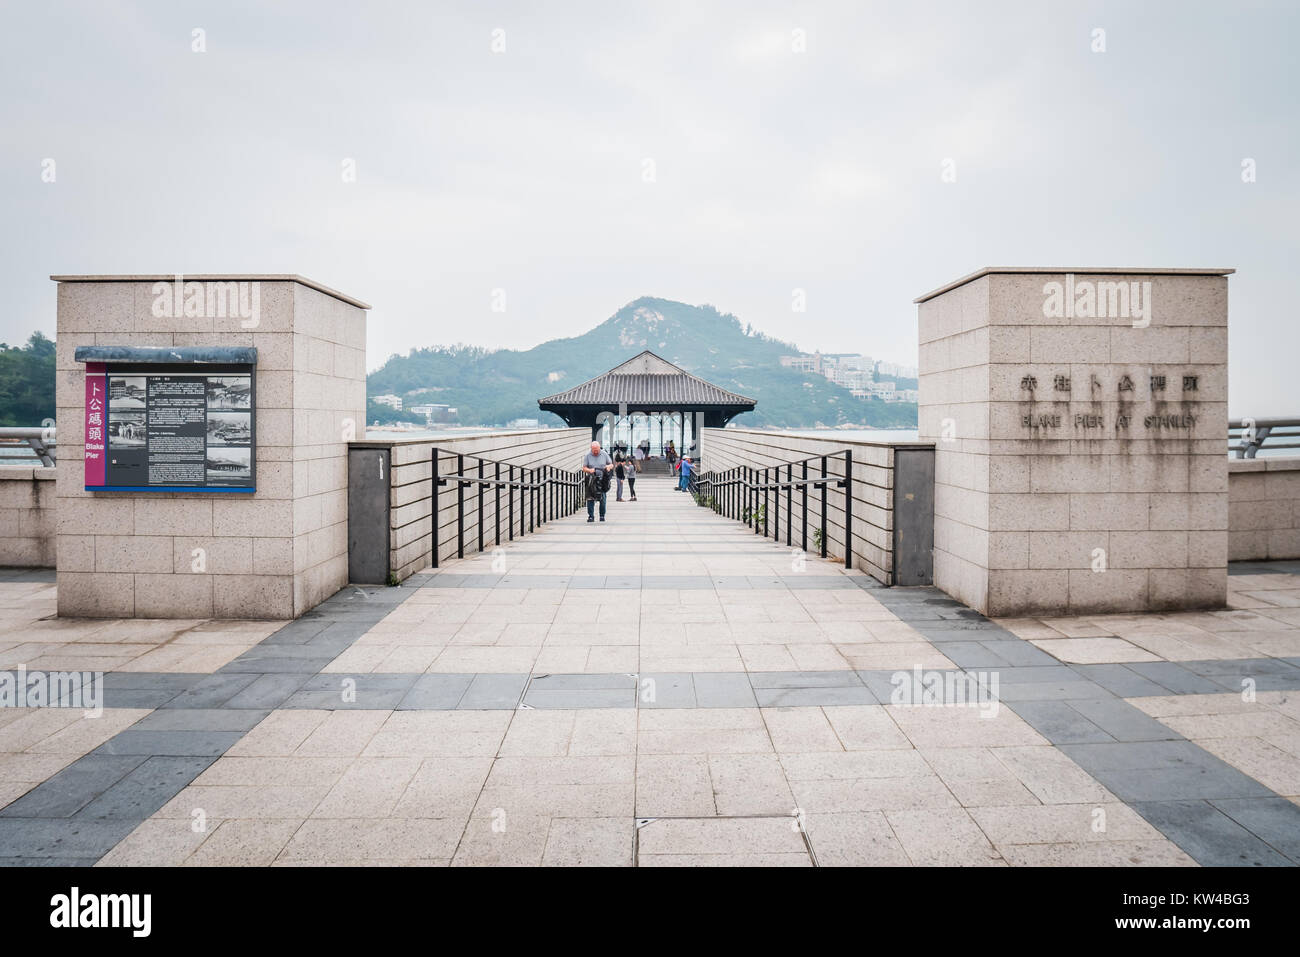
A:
(662, 689)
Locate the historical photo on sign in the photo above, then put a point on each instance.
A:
(229, 392)
(229, 428)
(126, 392)
(125, 430)
(229, 465)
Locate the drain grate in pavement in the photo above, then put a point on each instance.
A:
(722, 842)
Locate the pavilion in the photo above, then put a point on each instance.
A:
(676, 405)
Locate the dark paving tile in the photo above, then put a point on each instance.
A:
(665, 690)
(150, 681)
(972, 654)
(196, 743)
(1139, 756)
(366, 692)
(944, 630)
(199, 719)
(48, 861)
(440, 692)
(307, 650)
(211, 691)
(1018, 652)
(1122, 721)
(1037, 674)
(804, 679)
(1059, 723)
(1175, 677)
(813, 697)
(581, 682)
(1241, 667)
(1209, 836)
(590, 698)
(1012, 692)
(69, 790)
(268, 691)
(147, 788)
(1120, 680)
(1173, 784)
(881, 684)
(1162, 771)
(724, 689)
(730, 582)
(65, 840)
(277, 665)
(493, 692)
(1238, 683)
(130, 698)
(1274, 820)
(296, 632)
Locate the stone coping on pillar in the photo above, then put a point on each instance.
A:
(222, 277)
(834, 439)
(1076, 270)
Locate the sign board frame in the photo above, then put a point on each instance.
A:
(148, 425)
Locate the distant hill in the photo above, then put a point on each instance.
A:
(492, 387)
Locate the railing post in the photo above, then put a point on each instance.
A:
(776, 506)
(789, 504)
(825, 483)
(848, 508)
(532, 499)
(433, 507)
(510, 503)
(496, 507)
(481, 489)
(460, 507)
(765, 508)
(804, 543)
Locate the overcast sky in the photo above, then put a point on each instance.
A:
(774, 169)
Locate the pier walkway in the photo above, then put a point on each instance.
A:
(665, 688)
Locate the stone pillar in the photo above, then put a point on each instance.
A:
(271, 553)
(1079, 422)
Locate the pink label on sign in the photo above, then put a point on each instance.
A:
(96, 424)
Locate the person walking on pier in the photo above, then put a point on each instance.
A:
(622, 466)
(597, 465)
(683, 484)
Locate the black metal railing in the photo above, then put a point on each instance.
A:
(743, 493)
(544, 492)
(1251, 435)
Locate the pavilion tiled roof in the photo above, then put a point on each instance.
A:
(647, 380)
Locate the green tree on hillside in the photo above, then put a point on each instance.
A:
(27, 382)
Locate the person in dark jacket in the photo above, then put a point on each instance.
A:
(621, 468)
